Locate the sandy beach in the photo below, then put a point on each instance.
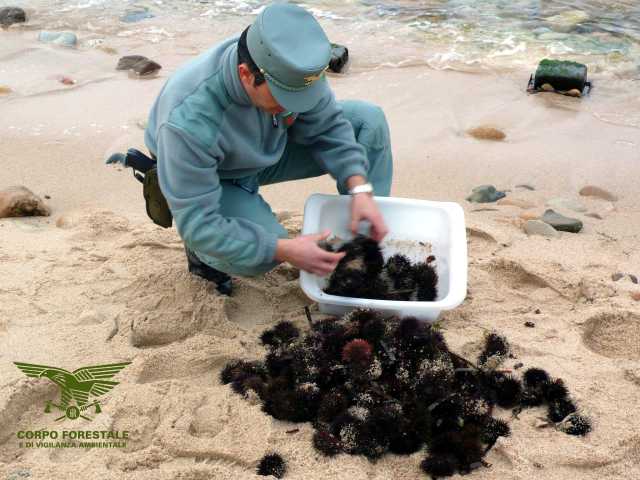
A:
(97, 282)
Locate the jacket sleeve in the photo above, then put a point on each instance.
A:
(331, 138)
(189, 180)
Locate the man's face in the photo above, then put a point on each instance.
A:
(261, 95)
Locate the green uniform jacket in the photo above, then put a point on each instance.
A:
(203, 128)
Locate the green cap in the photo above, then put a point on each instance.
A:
(292, 51)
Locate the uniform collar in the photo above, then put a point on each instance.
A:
(230, 76)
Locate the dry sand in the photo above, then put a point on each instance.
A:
(97, 282)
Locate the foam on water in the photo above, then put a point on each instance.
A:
(494, 35)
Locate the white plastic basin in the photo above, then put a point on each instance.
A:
(417, 228)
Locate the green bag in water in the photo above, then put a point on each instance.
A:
(562, 75)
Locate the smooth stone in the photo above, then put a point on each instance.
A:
(65, 39)
(485, 194)
(538, 227)
(567, 204)
(127, 62)
(593, 191)
(146, 68)
(547, 87)
(515, 202)
(4, 90)
(562, 223)
(525, 186)
(19, 201)
(484, 132)
(633, 278)
(594, 215)
(617, 276)
(339, 57)
(635, 296)
(136, 16)
(11, 15)
(574, 92)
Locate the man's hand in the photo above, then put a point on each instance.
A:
(304, 253)
(363, 207)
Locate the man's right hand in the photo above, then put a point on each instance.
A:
(303, 252)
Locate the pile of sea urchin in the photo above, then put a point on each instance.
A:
(373, 386)
(363, 273)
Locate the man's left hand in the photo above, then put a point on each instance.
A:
(363, 207)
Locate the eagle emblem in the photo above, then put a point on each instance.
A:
(75, 387)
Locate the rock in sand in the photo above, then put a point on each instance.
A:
(485, 194)
(11, 15)
(538, 227)
(141, 65)
(561, 223)
(593, 191)
(486, 133)
(19, 201)
(65, 39)
(339, 57)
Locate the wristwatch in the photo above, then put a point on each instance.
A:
(364, 188)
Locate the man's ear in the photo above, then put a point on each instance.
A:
(245, 74)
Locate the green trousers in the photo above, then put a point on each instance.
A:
(240, 197)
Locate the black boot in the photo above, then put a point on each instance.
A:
(220, 279)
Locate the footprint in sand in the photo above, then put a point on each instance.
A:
(614, 335)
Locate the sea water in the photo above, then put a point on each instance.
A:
(470, 35)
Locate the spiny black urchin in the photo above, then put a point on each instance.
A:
(282, 333)
(439, 466)
(495, 348)
(426, 279)
(576, 424)
(239, 370)
(326, 443)
(272, 464)
(556, 390)
(559, 409)
(507, 389)
(493, 429)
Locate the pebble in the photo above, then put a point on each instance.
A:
(593, 191)
(127, 62)
(635, 296)
(633, 278)
(11, 15)
(485, 194)
(65, 39)
(4, 90)
(574, 92)
(561, 223)
(133, 16)
(566, 204)
(515, 202)
(339, 57)
(67, 81)
(538, 311)
(538, 227)
(617, 276)
(146, 68)
(19, 201)
(529, 324)
(547, 87)
(142, 66)
(487, 133)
